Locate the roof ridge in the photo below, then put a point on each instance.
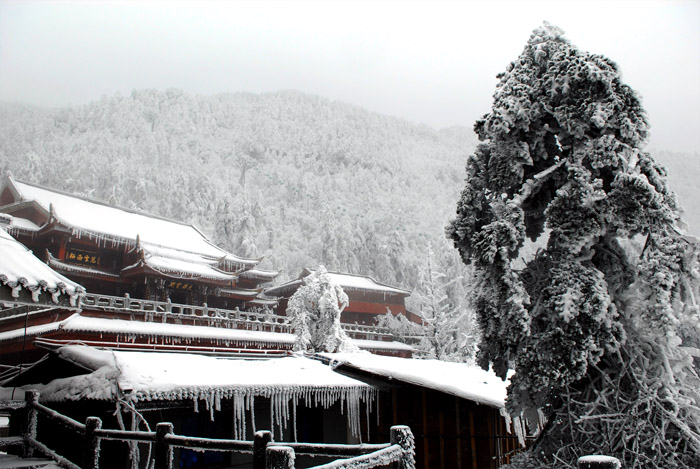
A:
(105, 204)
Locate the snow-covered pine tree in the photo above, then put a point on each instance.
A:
(592, 323)
(448, 331)
(314, 311)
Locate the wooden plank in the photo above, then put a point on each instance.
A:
(459, 433)
(441, 417)
(426, 459)
(473, 439)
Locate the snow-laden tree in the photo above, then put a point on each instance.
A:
(448, 329)
(599, 324)
(314, 311)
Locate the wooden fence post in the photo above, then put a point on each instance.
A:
(163, 450)
(31, 397)
(279, 457)
(91, 445)
(403, 436)
(260, 441)
(598, 462)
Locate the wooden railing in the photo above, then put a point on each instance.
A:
(214, 317)
(267, 454)
(204, 315)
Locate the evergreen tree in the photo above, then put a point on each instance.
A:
(314, 311)
(591, 323)
(448, 326)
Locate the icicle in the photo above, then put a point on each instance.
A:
(15, 289)
(210, 405)
(368, 403)
(35, 294)
(294, 418)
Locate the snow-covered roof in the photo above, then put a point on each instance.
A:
(97, 220)
(23, 224)
(346, 281)
(146, 376)
(182, 269)
(77, 269)
(260, 274)
(458, 379)
(19, 268)
(361, 282)
(180, 331)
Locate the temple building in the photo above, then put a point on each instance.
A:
(81, 271)
(369, 299)
(115, 251)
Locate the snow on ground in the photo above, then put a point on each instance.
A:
(458, 379)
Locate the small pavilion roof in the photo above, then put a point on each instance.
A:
(346, 281)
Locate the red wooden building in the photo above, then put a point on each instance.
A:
(369, 299)
(145, 283)
(115, 251)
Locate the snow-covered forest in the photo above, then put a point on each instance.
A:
(298, 179)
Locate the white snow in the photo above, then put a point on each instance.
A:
(458, 379)
(55, 263)
(24, 224)
(360, 282)
(145, 376)
(19, 268)
(598, 459)
(382, 345)
(177, 333)
(185, 269)
(183, 332)
(103, 222)
(31, 331)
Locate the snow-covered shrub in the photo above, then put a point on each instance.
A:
(314, 312)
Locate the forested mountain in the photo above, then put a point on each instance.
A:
(298, 179)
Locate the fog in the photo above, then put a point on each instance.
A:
(431, 62)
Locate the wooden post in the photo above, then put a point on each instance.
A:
(163, 451)
(29, 431)
(91, 445)
(598, 462)
(403, 436)
(279, 457)
(260, 441)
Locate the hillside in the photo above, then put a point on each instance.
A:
(298, 179)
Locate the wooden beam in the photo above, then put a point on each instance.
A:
(426, 459)
(473, 439)
(459, 433)
(442, 438)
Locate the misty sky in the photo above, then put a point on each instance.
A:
(431, 62)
